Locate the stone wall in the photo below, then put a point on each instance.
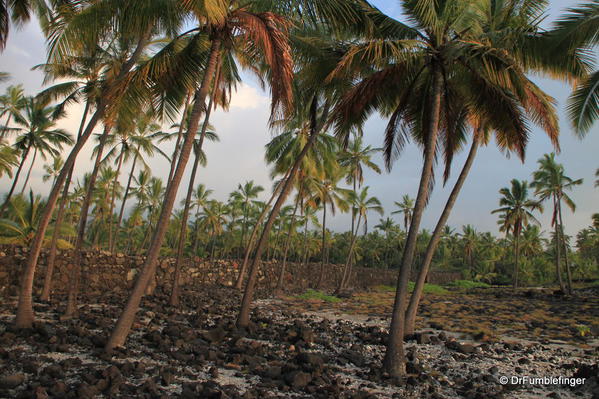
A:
(102, 271)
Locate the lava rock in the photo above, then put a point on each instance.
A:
(298, 379)
(12, 381)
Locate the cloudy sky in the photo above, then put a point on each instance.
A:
(243, 131)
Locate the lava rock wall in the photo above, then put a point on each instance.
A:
(103, 271)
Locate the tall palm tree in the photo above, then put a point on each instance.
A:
(354, 158)
(405, 207)
(83, 84)
(361, 204)
(37, 132)
(515, 213)
(131, 142)
(551, 183)
(326, 193)
(246, 29)
(89, 23)
(421, 69)
(200, 158)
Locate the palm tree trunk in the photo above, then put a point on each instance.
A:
(75, 268)
(14, 182)
(346, 269)
(563, 240)
(178, 142)
(248, 249)
(122, 211)
(279, 287)
(196, 240)
(436, 237)
(174, 299)
(113, 199)
(394, 361)
(517, 259)
(243, 318)
(24, 317)
(59, 218)
(29, 171)
(323, 245)
(126, 318)
(558, 255)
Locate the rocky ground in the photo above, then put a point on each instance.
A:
(295, 349)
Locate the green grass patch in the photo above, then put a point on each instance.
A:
(468, 285)
(313, 294)
(428, 288)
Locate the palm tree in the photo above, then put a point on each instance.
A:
(132, 143)
(551, 183)
(84, 84)
(575, 33)
(326, 193)
(199, 201)
(11, 104)
(8, 160)
(245, 29)
(387, 226)
(53, 169)
(18, 12)
(423, 68)
(200, 158)
(36, 131)
(516, 213)
(244, 194)
(469, 244)
(406, 206)
(354, 158)
(91, 24)
(361, 205)
(213, 219)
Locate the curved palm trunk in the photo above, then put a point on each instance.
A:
(249, 248)
(347, 269)
(436, 237)
(243, 319)
(59, 218)
(113, 200)
(126, 318)
(394, 361)
(29, 171)
(14, 182)
(279, 287)
(24, 317)
(563, 239)
(122, 211)
(178, 142)
(174, 299)
(324, 237)
(75, 268)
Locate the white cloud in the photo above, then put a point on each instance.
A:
(248, 97)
